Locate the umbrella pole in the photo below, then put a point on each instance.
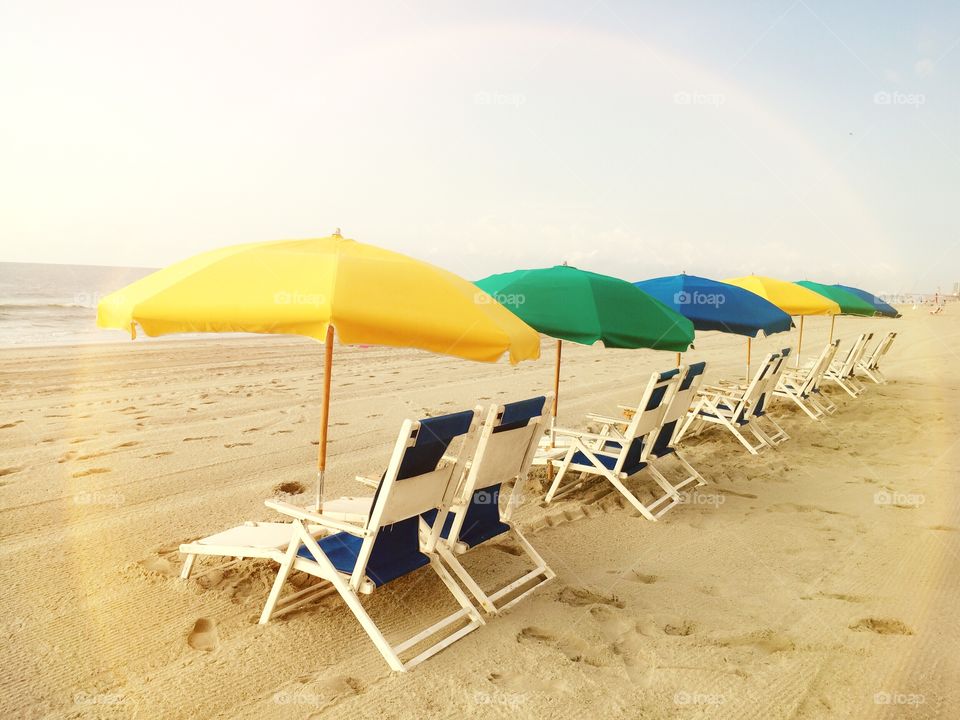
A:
(556, 405)
(678, 359)
(833, 319)
(324, 415)
(749, 348)
(800, 341)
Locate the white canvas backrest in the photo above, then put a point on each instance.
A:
(653, 404)
(756, 386)
(508, 442)
(414, 482)
(815, 377)
(683, 399)
(882, 347)
(851, 360)
(773, 377)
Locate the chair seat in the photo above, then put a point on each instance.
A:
(474, 531)
(608, 462)
(393, 556)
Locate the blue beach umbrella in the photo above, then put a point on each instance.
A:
(883, 308)
(714, 305)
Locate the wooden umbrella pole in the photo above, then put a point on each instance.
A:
(556, 405)
(800, 341)
(324, 416)
(678, 359)
(749, 347)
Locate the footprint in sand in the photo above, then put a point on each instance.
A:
(843, 597)
(580, 597)
(158, 565)
(9, 471)
(290, 488)
(162, 453)
(7, 426)
(237, 444)
(882, 626)
(90, 471)
(769, 641)
(642, 578)
(576, 649)
(204, 635)
(128, 444)
(680, 629)
(202, 437)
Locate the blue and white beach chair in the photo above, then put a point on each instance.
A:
(734, 409)
(621, 449)
(869, 365)
(362, 557)
(802, 386)
(508, 441)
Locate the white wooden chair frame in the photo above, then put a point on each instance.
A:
(842, 373)
(644, 423)
(733, 409)
(680, 404)
(500, 458)
(869, 365)
(397, 500)
(801, 386)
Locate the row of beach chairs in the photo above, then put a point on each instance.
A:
(440, 494)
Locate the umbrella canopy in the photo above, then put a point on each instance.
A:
(879, 305)
(714, 305)
(789, 297)
(570, 304)
(849, 303)
(313, 287)
(584, 307)
(302, 287)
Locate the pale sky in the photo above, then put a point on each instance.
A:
(792, 138)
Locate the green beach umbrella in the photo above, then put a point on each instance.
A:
(849, 303)
(584, 307)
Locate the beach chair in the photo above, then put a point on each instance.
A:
(802, 385)
(508, 441)
(869, 365)
(734, 408)
(665, 444)
(761, 414)
(617, 454)
(841, 372)
(360, 558)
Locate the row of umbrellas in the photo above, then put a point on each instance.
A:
(367, 295)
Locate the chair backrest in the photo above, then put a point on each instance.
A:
(415, 483)
(507, 443)
(850, 362)
(860, 353)
(754, 392)
(819, 368)
(647, 419)
(880, 350)
(773, 378)
(681, 402)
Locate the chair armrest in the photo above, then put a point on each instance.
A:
(366, 481)
(580, 434)
(607, 420)
(300, 513)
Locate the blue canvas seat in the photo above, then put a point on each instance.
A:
(361, 557)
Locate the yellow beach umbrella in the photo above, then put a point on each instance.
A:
(316, 287)
(793, 299)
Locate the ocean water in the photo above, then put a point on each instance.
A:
(57, 304)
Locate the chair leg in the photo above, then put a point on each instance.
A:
(283, 572)
(453, 562)
(555, 485)
(187, 566)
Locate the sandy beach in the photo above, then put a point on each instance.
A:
(817, 580)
